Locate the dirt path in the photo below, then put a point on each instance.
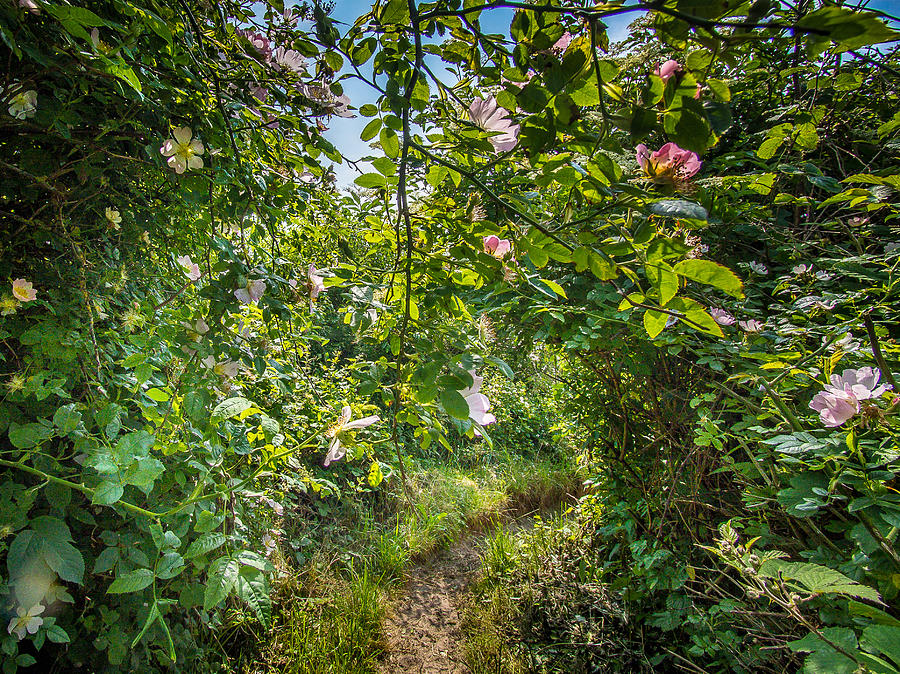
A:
(423, 631)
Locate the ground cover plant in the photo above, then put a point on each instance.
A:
(656, 277)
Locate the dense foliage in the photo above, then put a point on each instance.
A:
(679, 249)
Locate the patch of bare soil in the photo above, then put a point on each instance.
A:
(423, 631)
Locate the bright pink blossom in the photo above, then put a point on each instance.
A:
(487, 115)
(833, 409)
(668, 164)
(667, 69)
(496, 246)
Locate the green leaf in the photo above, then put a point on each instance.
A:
(698, 316)
(396, 12)
(107, 493)
(223, 574)
(371, 180)
(170, 566)
(454, 404)
(253, 588)
(371, 130)
(823, 658)
(67, 419)
(158, 395)
(878, 616)
(57, 635)
(375, 475)
(679, 208)
(390, 143)
(230, 408)
(817, 578)
(882, 639)
(555, 287)
(654, 322)
(206, 543)
(850, 29)
(664, 279)
(133, 581)
(385, 166)
(713, 274)
(26, 436)
(688, 129)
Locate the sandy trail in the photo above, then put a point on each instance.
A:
(423, 630)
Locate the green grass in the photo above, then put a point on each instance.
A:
(336, 633)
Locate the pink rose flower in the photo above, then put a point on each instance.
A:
(496, 246)
(23, 290)
(251, 293)
(667, 69)
(862, 384)
(834, 410)
(478, 403)
(191, 269)
(668, 164)
(721, 316)
(487, 115)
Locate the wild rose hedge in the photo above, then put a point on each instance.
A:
(717, 201)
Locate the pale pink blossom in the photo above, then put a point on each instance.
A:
(225, 368)
(290, 60)
(496, 246)
(478, 403)
(183, 153)
(190, 268)
(259, 42)
(487, 115)
(721, 316)
(668, 164)
(276, 507)
(667, 69)
(699, 92)
(862, 384)
(834, 409)
(23, 290)
(336, 450)
(562, 43)
(26, 622)
(30, 6)
(751, 326)
(251, 293)
(269, 542)
(314, 284)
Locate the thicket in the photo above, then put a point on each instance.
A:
(677, 245)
